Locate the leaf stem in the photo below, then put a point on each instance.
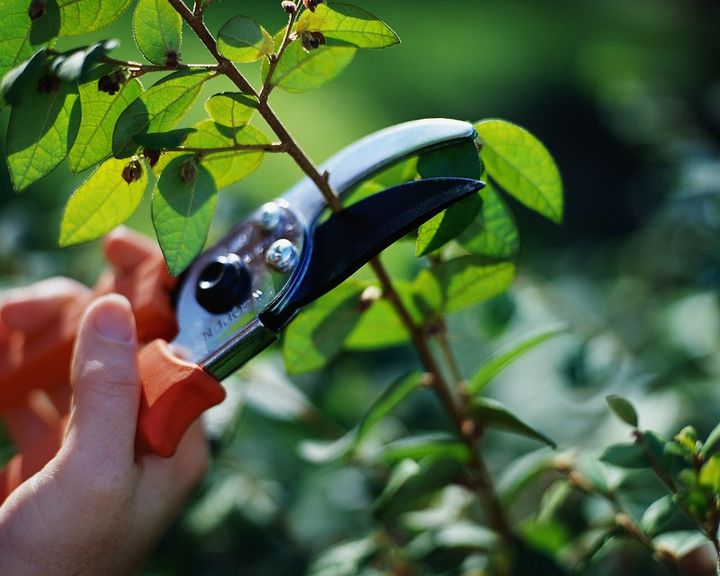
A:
(137, 69)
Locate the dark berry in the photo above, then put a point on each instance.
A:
(132, 171)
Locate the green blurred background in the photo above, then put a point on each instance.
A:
(626, 95)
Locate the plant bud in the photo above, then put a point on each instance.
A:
(171, 59)
(289, 6)
(188, 171)
(48, 84)
(152, 156)
(108, 84)
(312, 4)
(36, 9)
(312, 40)
(132, 171)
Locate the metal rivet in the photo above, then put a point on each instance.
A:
(282, 255)
(269, 216)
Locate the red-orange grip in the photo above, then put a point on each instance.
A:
(174, 394)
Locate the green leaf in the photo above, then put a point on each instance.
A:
(431, 445)
(15, 82)
(20, 36)
(318, 332)
(241, 39)
(519, 162)
(105, 200)
(681, 543)
(467, 280)
(348, 24)
(182, 209)
(522, 473)
(389, 399)
(41, 130)
(159, 109)
(100, 112)
(623, 409)
(712, 443)
(460, 160)
(625, 456)
(83, 16)
(658, 514)
(493, 233)
(231, 166)
(157, 29)
(710, 474)
(160, 140)
(403, 472)
(344, 559)
(231, 108)
(507, 355)
(75, 65)
(300, 71)
(493, 414)
(380, 326)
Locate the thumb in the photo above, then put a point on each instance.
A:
(106, 385)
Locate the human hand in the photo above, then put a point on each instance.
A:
(93, 508)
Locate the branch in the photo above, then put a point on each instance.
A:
(235, 148)
(275, 58)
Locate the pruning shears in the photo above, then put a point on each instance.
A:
(237, 296)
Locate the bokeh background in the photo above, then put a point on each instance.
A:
(626, 95)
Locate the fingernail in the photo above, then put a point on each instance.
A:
(113, 319)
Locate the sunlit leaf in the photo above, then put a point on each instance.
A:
(318, 332)
(100, 112)
(230, 166)
(710, 474)
(15, 82)
(300, 71)
(493, 414)
(467, 280)
(159, 109)
(459, 535)
(83, 16)
(41, 130)
(241, 39)
(231, 108)
(623, 409)
(400, 475)
(348, 24)
(157, 29)
(460, 160)
(105, 200)
(20, 36)
(182, 208)
(507, 355)
(520, 163)
(493, 233)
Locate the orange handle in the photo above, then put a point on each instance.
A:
(174, 394)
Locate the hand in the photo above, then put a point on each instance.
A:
(93, 508)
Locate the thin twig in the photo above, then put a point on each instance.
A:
(486, 490)
(234, 148)
(275, 58)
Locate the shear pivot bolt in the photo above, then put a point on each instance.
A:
(223, 284)
(282, 256)
(269, 217)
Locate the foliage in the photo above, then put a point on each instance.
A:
(418, 480)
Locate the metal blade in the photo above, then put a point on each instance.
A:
(349, 239)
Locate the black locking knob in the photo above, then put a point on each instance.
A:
(223, 284)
